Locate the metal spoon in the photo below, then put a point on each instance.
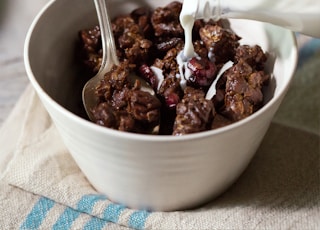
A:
(109, 57)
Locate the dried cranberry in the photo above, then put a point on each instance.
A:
(203, 71)
(172, 100)
(148, 75)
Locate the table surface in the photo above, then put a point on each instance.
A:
(15, 19)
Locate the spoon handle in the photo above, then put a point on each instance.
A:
(107, 39)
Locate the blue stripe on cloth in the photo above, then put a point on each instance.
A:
(85, 204)
(38, 213)
(138, 219)
(66, 219)
(95, 224)
(112, 212)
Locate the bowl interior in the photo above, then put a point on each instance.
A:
(52, 48)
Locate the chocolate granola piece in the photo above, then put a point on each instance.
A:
(220, 42)
(105, 115)
(243, 91)
(130, 39)
(143, 106)
(91, 39)
(253, 55)
(194, 113)
(114, 80)
(138, 51)
(200, 49)
(91, 48)
(171, 92)
(142, 17)
(108, 116)
(169, 63)
(165, 20)
(123, 105)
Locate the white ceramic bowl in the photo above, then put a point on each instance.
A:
(144, 171)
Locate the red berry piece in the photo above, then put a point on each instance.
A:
(203, 71)
(148, 75)
(172, 100)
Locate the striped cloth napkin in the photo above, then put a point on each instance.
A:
(41, 187)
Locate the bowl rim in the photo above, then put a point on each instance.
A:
(137, 136)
